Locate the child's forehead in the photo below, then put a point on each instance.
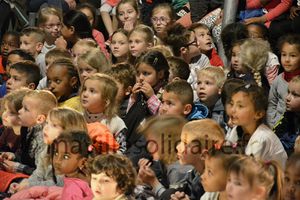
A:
(10, 38)
(205, 76)
(201, 29)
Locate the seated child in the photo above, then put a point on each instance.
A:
(210, 83)
(179, 69)
(119, 46)
(288, 127)
(251, 178)
(23, 74)
(205, 44)
(10, 138)
(160, 169)
(124, 75)
(33, 114)
(50, 57)
(82, 47)
(32, 40)
(13, 57)
(63, 82)
(98, 99)
(113, 177)
(248, 108)
(197, 137)
(177, 99)
(214, 177)
(291, 177)
(91, 62)
(10, 41)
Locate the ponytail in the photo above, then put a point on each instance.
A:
(275, 169)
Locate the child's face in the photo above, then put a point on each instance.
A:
(160, 19)
(9, 43)
(12, 59)
(214, 177)
(29, 44)
(291, 186)
(255, 31)
(88, 14)
(127, 13)
(204, 39)
(53, 26)
(290, 57)
(78, 50)
(104, 187)
(59, 81)
(172, 105)
(84, 70)
(16, 80)
(29, 113)
(207, 90)
(91, 98)
(10, 117)
(235, 59)
(66, 158)
(238, 187)
(192, 48)
(137, 43)
(51, 130)
(293, 97)
(146, 73)
(243, 112)
(188, 150)
(119, 45)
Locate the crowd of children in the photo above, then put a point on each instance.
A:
(150, 111)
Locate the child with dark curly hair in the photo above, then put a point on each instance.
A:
(113, 177)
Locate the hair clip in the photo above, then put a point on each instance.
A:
(217, 146)
(90, 148)
(155, 61)
(248, 86)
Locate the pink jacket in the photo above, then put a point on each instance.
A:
(75, 189)
(38, 192)
(274, 8)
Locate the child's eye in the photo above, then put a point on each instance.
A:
(286, 179)
(146, 73)
(92, 90)
(209, 172)
(57, 81)
(55, 153)
(66, 157)
(298, 183)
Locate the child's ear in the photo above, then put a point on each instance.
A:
(128, 90)
(183, 50)
(73, 81)
(31, 86)
(161, 75)
(40, 119)
(259, 115)
(187, 109)
(150, 44)
(82, 165)
(39, 47)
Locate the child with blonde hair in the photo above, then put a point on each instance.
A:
(11, 135)
(197, 137)
(210, 83)
(251, 178)
(98, 98)
(91, 62)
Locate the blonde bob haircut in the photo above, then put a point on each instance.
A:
(216, 73)
(109, 89)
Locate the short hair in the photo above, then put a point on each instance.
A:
(109, 89)
(14, 99)
(179, 67)
(228, 88)
(44, 13)
(292, 39)
(119, 168)
(87, 42)
(92, 9)
(96, 59)
(178, 36)
(182, 89)
(45, 100)
(197, 25)
(216, 73)
(57, 53)
(30, 70)
(23, 54)
(123, 73)
(68, 119)
(147, 30)
(206, 131)
(35, 32)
